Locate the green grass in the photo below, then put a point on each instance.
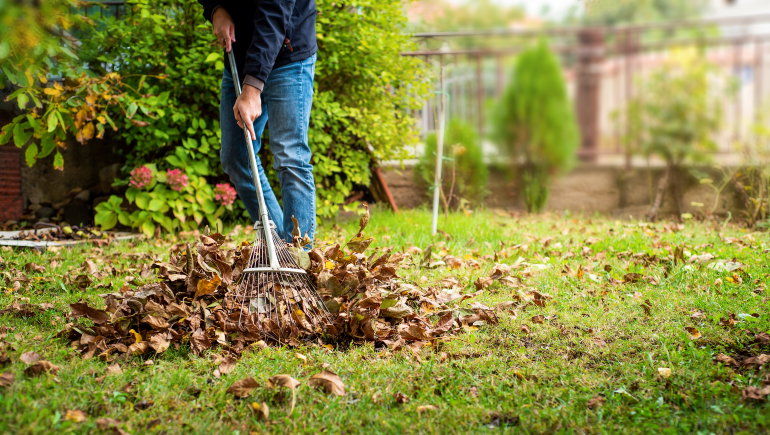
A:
(494, 380)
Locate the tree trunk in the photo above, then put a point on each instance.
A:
(652, 216)
(677, 191)
(741, 190)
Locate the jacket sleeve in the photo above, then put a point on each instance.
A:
(270, 23)
(208, 8)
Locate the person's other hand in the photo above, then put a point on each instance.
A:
(224, 28)
(248, 107)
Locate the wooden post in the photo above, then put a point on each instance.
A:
(590, 57)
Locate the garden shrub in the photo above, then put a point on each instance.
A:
(677, 118)
(166, 52)
(536, 125)
(462, 157)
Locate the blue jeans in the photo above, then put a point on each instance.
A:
(286, 101)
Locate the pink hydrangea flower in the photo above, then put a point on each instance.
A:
(176, 179)
(224, 193)
(141, 177)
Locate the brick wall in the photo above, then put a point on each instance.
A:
(11, 206)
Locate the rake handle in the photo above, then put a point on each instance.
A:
(255, 173)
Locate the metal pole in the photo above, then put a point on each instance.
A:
(439, 152)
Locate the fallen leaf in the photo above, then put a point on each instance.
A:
(401, 398)
(329, 382)
(726, 360)
(762, 337)
(261, 409)
(538, 319)
(142, 405)
(755, 393)
(40, 367)
(207, 286)
(114, 369)
(243, 387)
(29, 357)
(525, 329)
(424, 408)
(227, 365)
(595, 402)
(664, 372)
(6, 379)
(694, 333)
(75, 416)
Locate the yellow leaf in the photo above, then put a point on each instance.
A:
(43, 78)
(329, 265)
(75, 416)
(137, 336)
(88, 131)
(91, 99)
(57, 86)
(101, 119)
(207, 286)
(51, 91)
(30, 80)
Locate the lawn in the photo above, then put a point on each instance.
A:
(627, 344)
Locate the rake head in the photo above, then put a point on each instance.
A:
(278, 302)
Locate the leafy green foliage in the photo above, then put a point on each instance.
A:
(364, 92)
(610, 12)
(677, 116)
(536, 124)
(165, 53)
(83, 104)
(463, 172)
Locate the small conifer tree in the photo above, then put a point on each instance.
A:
(536, 124)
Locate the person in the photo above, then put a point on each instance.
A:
(274, 44)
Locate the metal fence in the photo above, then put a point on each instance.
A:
(602, 68)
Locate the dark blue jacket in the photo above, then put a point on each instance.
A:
(268, 33)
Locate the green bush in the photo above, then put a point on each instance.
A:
(165, 53)
(462, 157)
(535, 124)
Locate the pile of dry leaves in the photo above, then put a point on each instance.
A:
(194, 300)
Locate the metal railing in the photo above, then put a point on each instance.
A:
(602, 68)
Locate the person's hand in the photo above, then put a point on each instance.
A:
(248, 107)
(224, 28)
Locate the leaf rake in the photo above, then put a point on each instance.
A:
(277, 297)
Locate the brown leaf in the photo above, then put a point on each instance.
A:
(29, 357)
(525, 329)
(763, 338)
(282, 381)
(199, 342)
(401, 398)
(755, 393)
(631, 278)
(227, 365)
(538, 319)
(6, 379)
(243, 387)
(424, 408)
(758, 361)
(75, 415)
(144, 404)
(81, 309)
(32, 267)
(595, 402)
(160, 342)
(329, 382)
(726, 360)
(40, 367)
(114, 369)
